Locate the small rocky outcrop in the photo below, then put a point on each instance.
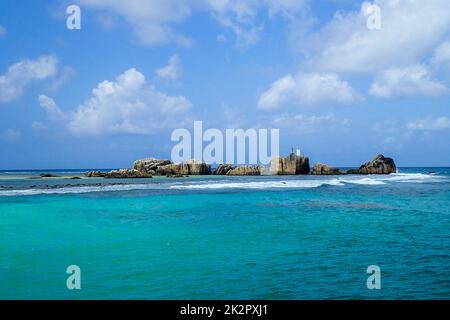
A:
(198, 168)
(291, 165)
(245, 171)
(95, 174)
(193, 167)
(150, 165)
(48, 175)
(379, 165)
(324, 170)
(126, 174)
(223, 169)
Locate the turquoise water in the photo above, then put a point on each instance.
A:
(226, 238)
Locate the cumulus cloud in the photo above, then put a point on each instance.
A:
(241, 16)
(429, 124)
(153, 22)
(172, 71)
(127, 105)
(409, 81)
(64, 75)
(410, 31)
(11, 135)
(51, 108)
(23, 73)
(303, 122)
(307, 89)
(442, 54)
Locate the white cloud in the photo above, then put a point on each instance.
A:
(127, 105)
(442, 54)
(287, 8)
(11, 135)
(409, 81)
(307, 122)
(153, 22)
(2, 31)
(38, 126)
(410, 31)
(429, 124)
(294, 124)
(23, 73)
(307, 89)
(241, 16)
(172, 71)
(51, 108)
(64, 75)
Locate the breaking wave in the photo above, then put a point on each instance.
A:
(263, 184)
(273, 183)
(76, 190)
(371, 180)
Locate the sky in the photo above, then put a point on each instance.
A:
(113, 91)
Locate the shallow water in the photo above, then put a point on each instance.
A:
(226, 237)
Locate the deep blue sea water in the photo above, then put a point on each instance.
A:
(226, 237)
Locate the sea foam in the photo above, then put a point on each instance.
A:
(273, 183)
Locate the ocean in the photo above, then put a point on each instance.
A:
(211, 237)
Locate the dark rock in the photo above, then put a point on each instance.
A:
(159, 167)
(126, 174)
(379, 165)
(95, 174)
(323, 169)
(192, 167)
(291, 165)
(150, 165)
(75, 178)
(223, 169)
(48, 175)
(245, 171)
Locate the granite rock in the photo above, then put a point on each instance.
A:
(323, 169)
(223, 169)
(245, 171)
(291, 165)
(379, 165)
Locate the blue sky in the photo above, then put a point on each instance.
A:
(112, 92)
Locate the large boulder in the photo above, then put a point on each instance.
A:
(193, 167)
(379, 165)
(150, 165)
(291, 165)
(223, 169)
(245, 171)
(94, 174)
(126, 174)
(197, 168)
(323, 169)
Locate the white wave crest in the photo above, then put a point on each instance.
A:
(76, 190)
(208, 184)
(297, 184)
(364, 181)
